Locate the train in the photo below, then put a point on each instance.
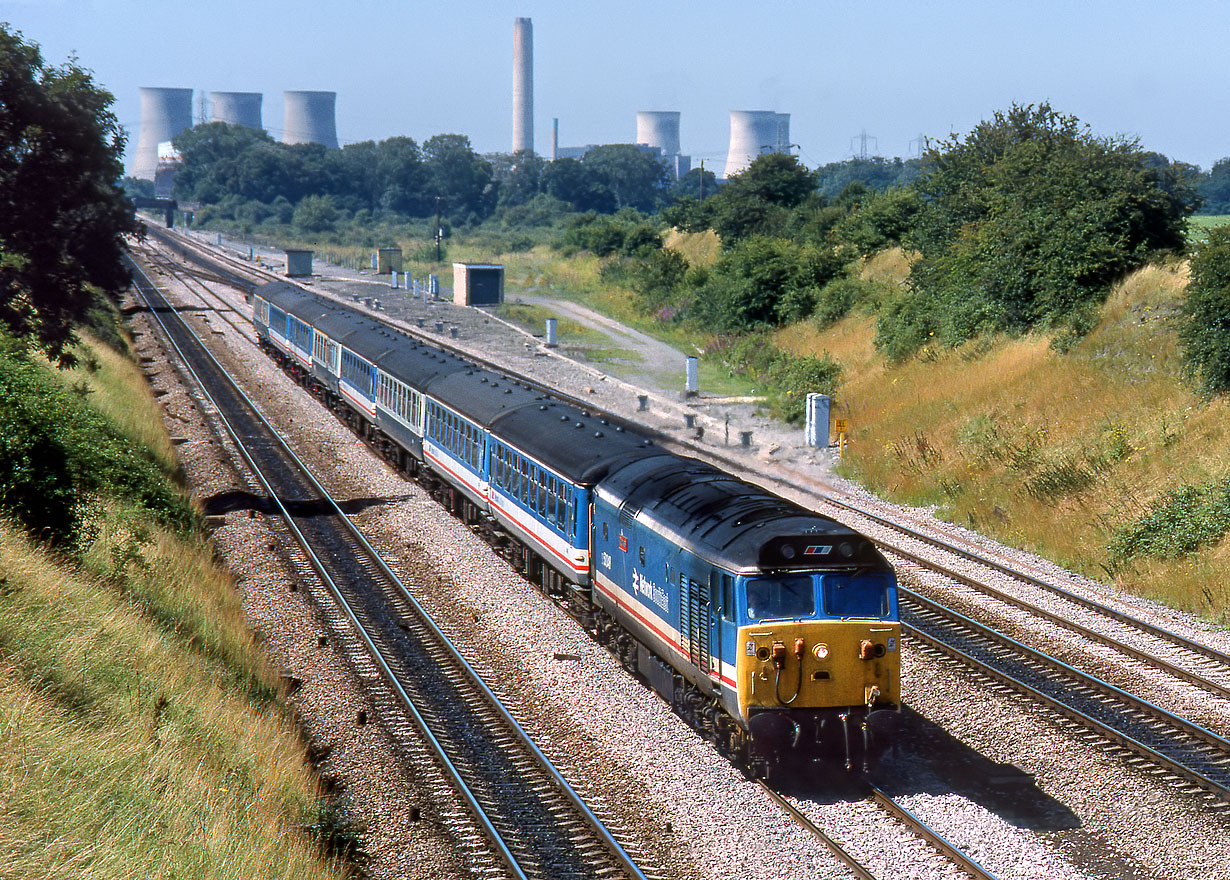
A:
(773, 630)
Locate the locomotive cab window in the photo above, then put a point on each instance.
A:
(780, 597)
(861, 595)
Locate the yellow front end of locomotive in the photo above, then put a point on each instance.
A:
(819, 665)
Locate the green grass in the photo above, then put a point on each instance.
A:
(1198, 226)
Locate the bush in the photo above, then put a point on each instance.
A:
(787, 378)
(1188, 519)
(839, 296)
(1205, 324)
(1026, 222)
(57, 452)
(764, 282)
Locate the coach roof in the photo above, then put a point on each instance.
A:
(582, 447)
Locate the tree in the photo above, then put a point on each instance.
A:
(758, 200)
(458, 174)
(219, 159)
(62, 213)
(519, 175)
(636, 178)
(578, 185)
(764, 282)
(1215, 188)
(695, 184)
(874, 172)
(1204, 330)
(315, 214)
(1027, 221)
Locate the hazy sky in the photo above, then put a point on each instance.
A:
(1153, 71)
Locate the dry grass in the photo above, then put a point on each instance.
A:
(889, 266)
(132, 744)
(699, 248)
(1046, 451)
(141, 734)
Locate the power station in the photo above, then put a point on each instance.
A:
(659, 130)
(164, 114)
(308, 118)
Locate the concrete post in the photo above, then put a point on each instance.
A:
(551, 325)
(693, 383)
(817, 431)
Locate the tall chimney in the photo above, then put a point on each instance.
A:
(523, 85)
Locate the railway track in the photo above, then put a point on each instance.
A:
(535, 822)
(1162, 744)
(944, 851)
(1196, 663)
(1169, 746)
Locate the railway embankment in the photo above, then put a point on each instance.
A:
(1097, 453)
(144, 733)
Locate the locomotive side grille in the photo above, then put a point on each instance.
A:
(694, 623)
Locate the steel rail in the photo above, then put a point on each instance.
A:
(1103, 639)
(839, 852)
(608, 840)
(983, 631)
(1026, 578)
(1106, 731)
(1091, 605)
(929, 834)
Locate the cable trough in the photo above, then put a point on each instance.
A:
(536, 823)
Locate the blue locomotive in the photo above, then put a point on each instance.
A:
(772, 629)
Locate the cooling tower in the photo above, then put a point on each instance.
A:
(659, 128)
(783, 133)
(309, 118)
(752, 132)
(164, 114)
(523, 85)
(236, 108)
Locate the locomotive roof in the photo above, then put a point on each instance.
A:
(571, 441)
(729, 522)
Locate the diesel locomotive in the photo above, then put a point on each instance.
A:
(772, 629)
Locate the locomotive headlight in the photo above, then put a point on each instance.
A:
(821, 652)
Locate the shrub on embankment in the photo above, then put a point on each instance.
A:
(142, 732)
